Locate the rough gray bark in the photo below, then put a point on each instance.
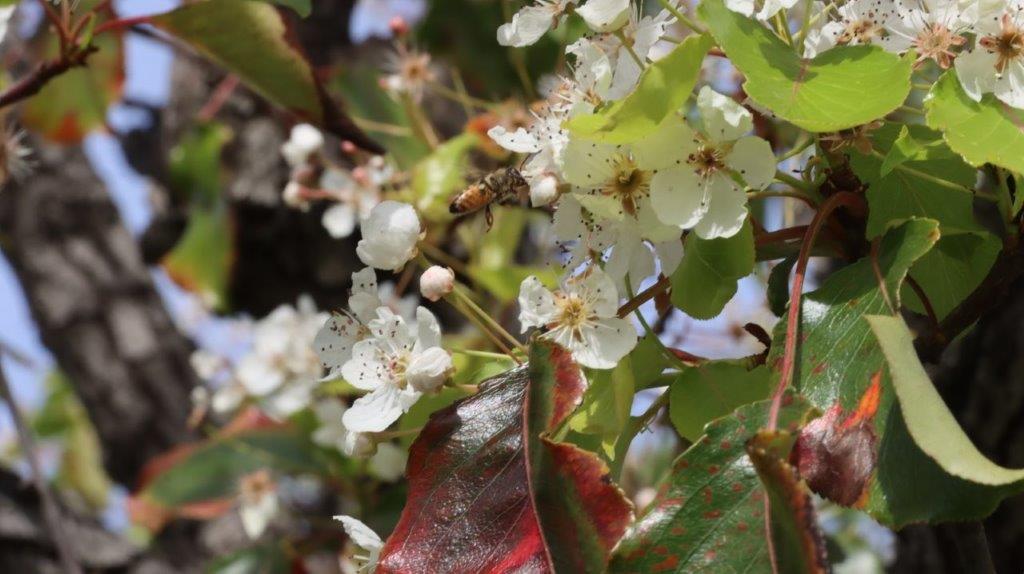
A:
(981, 378)
(97, 311)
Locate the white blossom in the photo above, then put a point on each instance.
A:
(258, 502)
(699, 191)
(304, 141)
(996, 64)
(397, 365)
(6, 14)
(390, 234)
(932, 28)
(605, 15)
(858, 22)
(436, 282)
(356, 192)
(339, 334)
(580, 317)
(533, 21)
(332, 433)
(768, 8)
(362, 536)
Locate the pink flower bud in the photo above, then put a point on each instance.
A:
(436, 282)
(348, 147)
(399, 27)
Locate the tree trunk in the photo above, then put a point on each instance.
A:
(97, 310)
(981, 378)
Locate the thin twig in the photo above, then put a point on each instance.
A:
(218, 98)
(51, 514)
(644, 296)
(30, 85)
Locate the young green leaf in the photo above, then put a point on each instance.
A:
(841, 88)
(952, 270)
(606, 405)
(663, 88)
(713, 390)
(982, 132)
(928, 419)
(706, 278)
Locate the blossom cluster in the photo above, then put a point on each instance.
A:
(621, 210)
(982, 39)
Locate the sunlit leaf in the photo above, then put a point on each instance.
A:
(702, 394)
(662, 90)
(982, 132)
(839, 89)
(707, 277)
(606, 405)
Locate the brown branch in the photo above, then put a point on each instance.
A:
(644, 296)
(44, 72)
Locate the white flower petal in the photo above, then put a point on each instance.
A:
(669, 145)
(374, 412)
(630, 257)
(360, 534)
(670, 254)
(390, 234)
(745, 7)
(599, 291)
(977, 72)
(334, 343)
(587, 163)
(366, 369)
(527, 26)
(536, 304)
(389, 462)
(428, 330)
(604, 344)
(543, 190)
(678, 196)
(257, 515)
(727, 212)
(724, 120)
(258, 375)
(6, 13)
(365, 299)
(305, 140)
(1009, 86)
(519, 141)
(339, 220)
(753, 159)
(605, 15)
(427, 371)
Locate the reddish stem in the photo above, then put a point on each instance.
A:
(44, 72)
(844, 198)
(122, 23)
(644, 296)
(218, 98)
(780, 235)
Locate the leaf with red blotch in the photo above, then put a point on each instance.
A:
(797, 541)
(709, 514)
(254, 41)
(490, 491)
(837, 458)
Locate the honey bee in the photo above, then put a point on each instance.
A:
(502, 187)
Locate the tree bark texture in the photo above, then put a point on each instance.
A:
(97, 311)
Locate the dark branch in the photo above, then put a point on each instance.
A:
(44, 72)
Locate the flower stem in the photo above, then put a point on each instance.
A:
(793, 194)
(683, 18)
(480, 354)
(629, 48)
(459, 294)
(644, 296)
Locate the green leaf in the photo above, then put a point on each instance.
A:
(778, 285)
(899, 195)
(648, 361)
(251, 39)
(706, 278)
(982, 132)
(952, 270)
(702, 394)
(195, 164)
(798, 543)
(904, 149)
(504, 282)
(74, 103)
(212, 470)
(266, 558)
(929, 421)
(843, 87)
(662, 89)
(606, 404)
(709, 514)
(837, 364)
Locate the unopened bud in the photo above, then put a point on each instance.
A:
(349, 148)
(544, 191)
(399, 27)
(294, 196)
(436, 282)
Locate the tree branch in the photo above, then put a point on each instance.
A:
(44, 72)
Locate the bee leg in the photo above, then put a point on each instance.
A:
(488, 217)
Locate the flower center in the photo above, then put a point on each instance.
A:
(936, 42)
(416, 68)
(707, 160)
(1007, 45)
(628, 183)
(862, 30)
(572, 313)
(396, 367)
